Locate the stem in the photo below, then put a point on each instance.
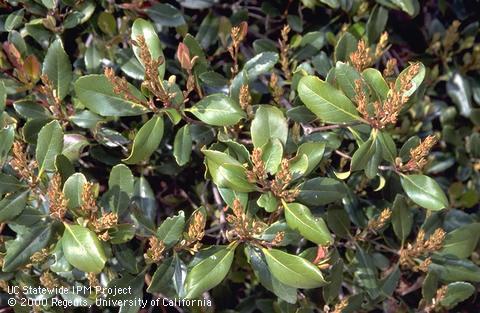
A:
(308, 130)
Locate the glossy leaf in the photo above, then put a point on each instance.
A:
(218, 110)
(269, 123)
(328, 103)
(13, 205)
(293, 270)
(96, 93)
(49, 145)
(57, 67)
(182, 145)
(73, 189)
(146, 141)
(23, 247)
(171, 229)
(82, 249)
(301, 219)
(144, 28)
(424, 191)
(209, 272)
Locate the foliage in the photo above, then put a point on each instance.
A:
(272, 156)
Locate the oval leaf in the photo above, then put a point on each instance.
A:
(218, 110)
(301, 219)
(82, 249)
(209, 272)
(146, 141)
(424, 191)
(293, 270)
(328, 103)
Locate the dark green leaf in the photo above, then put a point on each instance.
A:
(293, 270)
(146, 141)
(328, 103)
(82, 249)
(301, 219)
(424, 191)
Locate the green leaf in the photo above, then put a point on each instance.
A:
(73, 145)
(346, 76)
(7, 136)
(424, 191)
(328, 103)
(209, 272)
(457, 292)
(272, 153)
(170, 231)
(96, 93)
(339, 222)
(146, 141)
(376, 23)
(345, 46)
(259, 265)
(166, 15)
(411, 7)
(162, 277)
(301, 219)
(260, 64)
(389, 149)
(321, 191)
(462, 241)
(121, 188)
(452, 269)
(57, 67)
(13, 205)
(364, 154)
(49, 145)
(25, 245)
(371, 169)
(459, 90)
(3, 96)
(82, 249)
(106, 22)
(377, 84)
(402, 218)
(213, 79)
(389, 283)
(144, 28)
(218, 110)
(73, 189)
(314, 153)
(9, 184)
(268, 123)
(227, 172)
(366, 273)
(30, 110)
(182, 145)
(268, 201)
(14, 20)
(293, 270)
(332, 290)
(430, 286)
(416, 81)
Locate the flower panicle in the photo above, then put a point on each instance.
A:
(381, 220)
(419, 154)
(422, 247)
(284, 49)
(89, 202)
(155, 251)
(21, 165)
(361, 58)
(58, 201)
(238, 34)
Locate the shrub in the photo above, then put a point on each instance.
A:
(269, 156)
